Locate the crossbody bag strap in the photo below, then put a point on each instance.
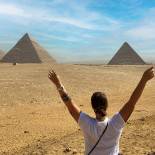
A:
(98, 140)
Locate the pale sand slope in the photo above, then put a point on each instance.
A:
(32, 113)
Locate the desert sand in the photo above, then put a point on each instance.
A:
(34, 120)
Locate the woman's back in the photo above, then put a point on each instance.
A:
(92, 129)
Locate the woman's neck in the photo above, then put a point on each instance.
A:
(100, 118)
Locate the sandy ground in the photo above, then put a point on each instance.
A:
(34, 121)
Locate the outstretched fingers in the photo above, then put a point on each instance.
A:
(50, 77)
(50, 74)
(151, 68)
(150, 72)
(52, 70)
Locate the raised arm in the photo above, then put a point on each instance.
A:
(128, 108)
(72, 107)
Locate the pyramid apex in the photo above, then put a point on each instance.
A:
(125, 43)
(26, 35)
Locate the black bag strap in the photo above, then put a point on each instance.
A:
(98, 140)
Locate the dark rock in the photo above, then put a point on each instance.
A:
(26, 131)
(68, 149)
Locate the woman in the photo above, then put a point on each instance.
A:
(102, 134)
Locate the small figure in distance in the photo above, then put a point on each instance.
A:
(14, 63)
(102, 134)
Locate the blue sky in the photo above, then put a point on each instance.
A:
(80, 30)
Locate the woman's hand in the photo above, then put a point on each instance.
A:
(148, 74)
(54, 78)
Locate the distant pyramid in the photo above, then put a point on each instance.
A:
(2, 53)
(126, 55)
(27, 50)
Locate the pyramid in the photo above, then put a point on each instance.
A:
(2, 53)
(126, 55)
(27, 50)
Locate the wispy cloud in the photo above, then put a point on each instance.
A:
(11, 9)
(39, 15)
(6, 41)
(69, 21)
(56, 37)
(144, 32)
(86, 19)
(145, 28)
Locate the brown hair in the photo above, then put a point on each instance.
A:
(99, 101)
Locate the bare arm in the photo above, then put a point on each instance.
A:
(128, 108)
(72, 107)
